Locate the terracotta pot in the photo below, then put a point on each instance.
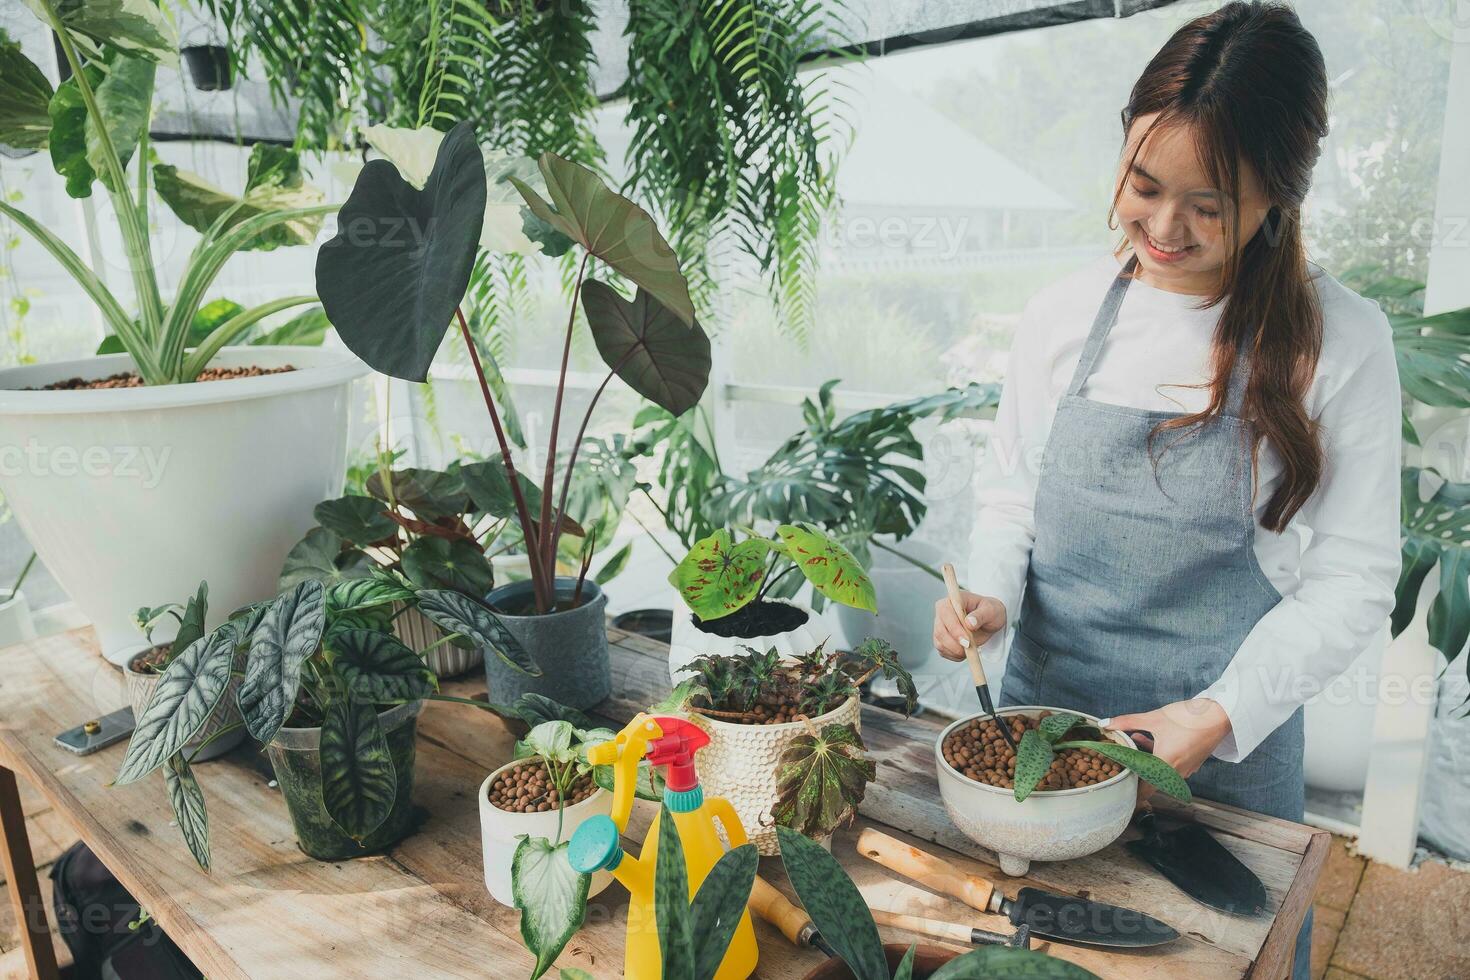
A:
(927, 959)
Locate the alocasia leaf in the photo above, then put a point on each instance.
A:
(358, 779)
(191, 623)
(659, 356)
(836, 907)
(356, 595)
(288, 634)
(552, 898)
(719, 905)
(68, 140)
(533, 709)
(355, 518)
(187, 801)
(830, 567)
(1034, 756)
(182, 702)
(718, 576)
(1150, 768)
(456, 613)
(125, 99)
(821, 779)
(25, 94)
(376, 668)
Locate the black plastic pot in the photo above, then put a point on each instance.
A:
(295, 755)
(656, 624)
(209, 66)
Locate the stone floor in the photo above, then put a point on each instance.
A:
(1372, 921)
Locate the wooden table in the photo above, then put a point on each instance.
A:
(422, 910)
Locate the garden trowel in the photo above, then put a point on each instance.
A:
(972, 657)
(1199, 866)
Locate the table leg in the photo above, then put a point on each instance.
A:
(20, 877)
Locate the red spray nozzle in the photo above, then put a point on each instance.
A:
(675, 749)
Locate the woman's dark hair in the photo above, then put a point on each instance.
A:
(1249, 83)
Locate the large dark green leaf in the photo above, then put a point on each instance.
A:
(830, 567)
(719, 576)
(1436, 531)
(612, 228)
(378, 669)
(401, 261)
(187, 801)
(186, 694)
(835, 905)
(660, 356)
(430, 494)
(319, 557)
(358, 780)
(443, 563)
(360, 520)
(456, 613)
(1003, 963)
(719, 905)
(821, 779)
(273, 183)
(1149, 767)
(288, 634)
(25, 95)
(552, 898)
(137, 26)
(534, 709)
(489, 487)
(671, 902)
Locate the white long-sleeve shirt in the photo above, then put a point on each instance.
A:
(1337, 562)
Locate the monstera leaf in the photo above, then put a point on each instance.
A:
(378, 669)
(25, 94)
(660, 356)
(319, 557)
(288, 634)
(821, 780)
(358, 779)
(719, 576)
(355, 518)
(830, 567)
(186, 694)
(551, 895)
(835, 905)
(456, 613)
(273, 182)
(392, 277)
(610, 227)
(1436, 531)
(440, 563)
(187, 801)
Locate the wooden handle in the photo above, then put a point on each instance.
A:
(769, 904)
(952, 931)
(972, 652)
(928, 870)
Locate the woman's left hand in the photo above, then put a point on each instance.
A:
(1184, 733)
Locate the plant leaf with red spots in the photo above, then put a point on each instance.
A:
(719, 576)
(830, 567)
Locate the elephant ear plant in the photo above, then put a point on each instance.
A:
(313, 657)
(95, 124)
(393, 279)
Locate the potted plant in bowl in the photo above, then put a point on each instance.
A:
(784, 744)
(127, 436)
(143, 668)
(392, 282)
(726, 587)
(1067, 790)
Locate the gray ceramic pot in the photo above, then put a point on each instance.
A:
(570, 647)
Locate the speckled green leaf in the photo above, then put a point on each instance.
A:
(1033, 759)
(288, 634)
(358, 779)
(1053, 727)
(671, 903)
(905, 969)
(831, 568)
(718, 576)
(187, 800)
(1002, 963)
(821, 780)
(182, 702)
(719, 905)
(1150, 768)
(552, 898)
(835, 905)
(378, 669)
(455, 613)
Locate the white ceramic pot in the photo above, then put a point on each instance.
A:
(1054, 825)
(740, 763)
(418, 632)
(15, 619)
(500, 832)
(132, 495)
(688, 641)
(141, 686)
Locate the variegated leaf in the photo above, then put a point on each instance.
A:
(289, 633)
(186, 694)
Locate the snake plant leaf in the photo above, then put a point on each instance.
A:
(612, 228)
(430, 494)
(821, 779)
(440, 563)
(1436, 531)
(1150, 768)
(273, 182)
(392, 277)
(136, 26)
(358, 594)
(836, 907)
(905, 969)
(25, 97)
(1034, 756)
(659, 356)
(1054, 726)
(320, 557)
(552, 898)
(377, 668)
(289, 633)
(187, 801)
(456, 613)
(719, 905)
(1003, 963)
(671, 902)
(718, 576)
(186, 695)
(355, 518)
(358, 778)
(830, 567)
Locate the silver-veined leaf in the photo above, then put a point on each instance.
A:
(187, 800)
(456, 613)
(186, 694)
(378, 669)
(358, 778)
(288, 634)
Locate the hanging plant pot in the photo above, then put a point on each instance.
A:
(142, 682)
(792, 628)
(570, 646)
(209, 66)
(927, 959)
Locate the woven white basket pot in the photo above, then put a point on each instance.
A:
(740, 764)
(141, 686)
(418, 632)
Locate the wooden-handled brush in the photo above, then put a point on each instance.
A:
(972, 656)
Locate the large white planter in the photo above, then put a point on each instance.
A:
(15, 619)
(501, 830)
(132, 495)
(687, 641)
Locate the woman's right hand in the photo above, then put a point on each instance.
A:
(984, 617)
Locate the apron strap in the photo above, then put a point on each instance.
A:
(1102, 324)
(1240, 377)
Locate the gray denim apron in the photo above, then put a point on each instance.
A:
(1143, 579)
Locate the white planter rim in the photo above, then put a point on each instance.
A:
(1119, 737)
(316, 367)
(512, 816)
(782, 727)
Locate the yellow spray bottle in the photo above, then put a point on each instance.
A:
(669, 742)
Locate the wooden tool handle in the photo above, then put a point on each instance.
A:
(951, 931)
(769, 904)
(928, 870)
(972, 652)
